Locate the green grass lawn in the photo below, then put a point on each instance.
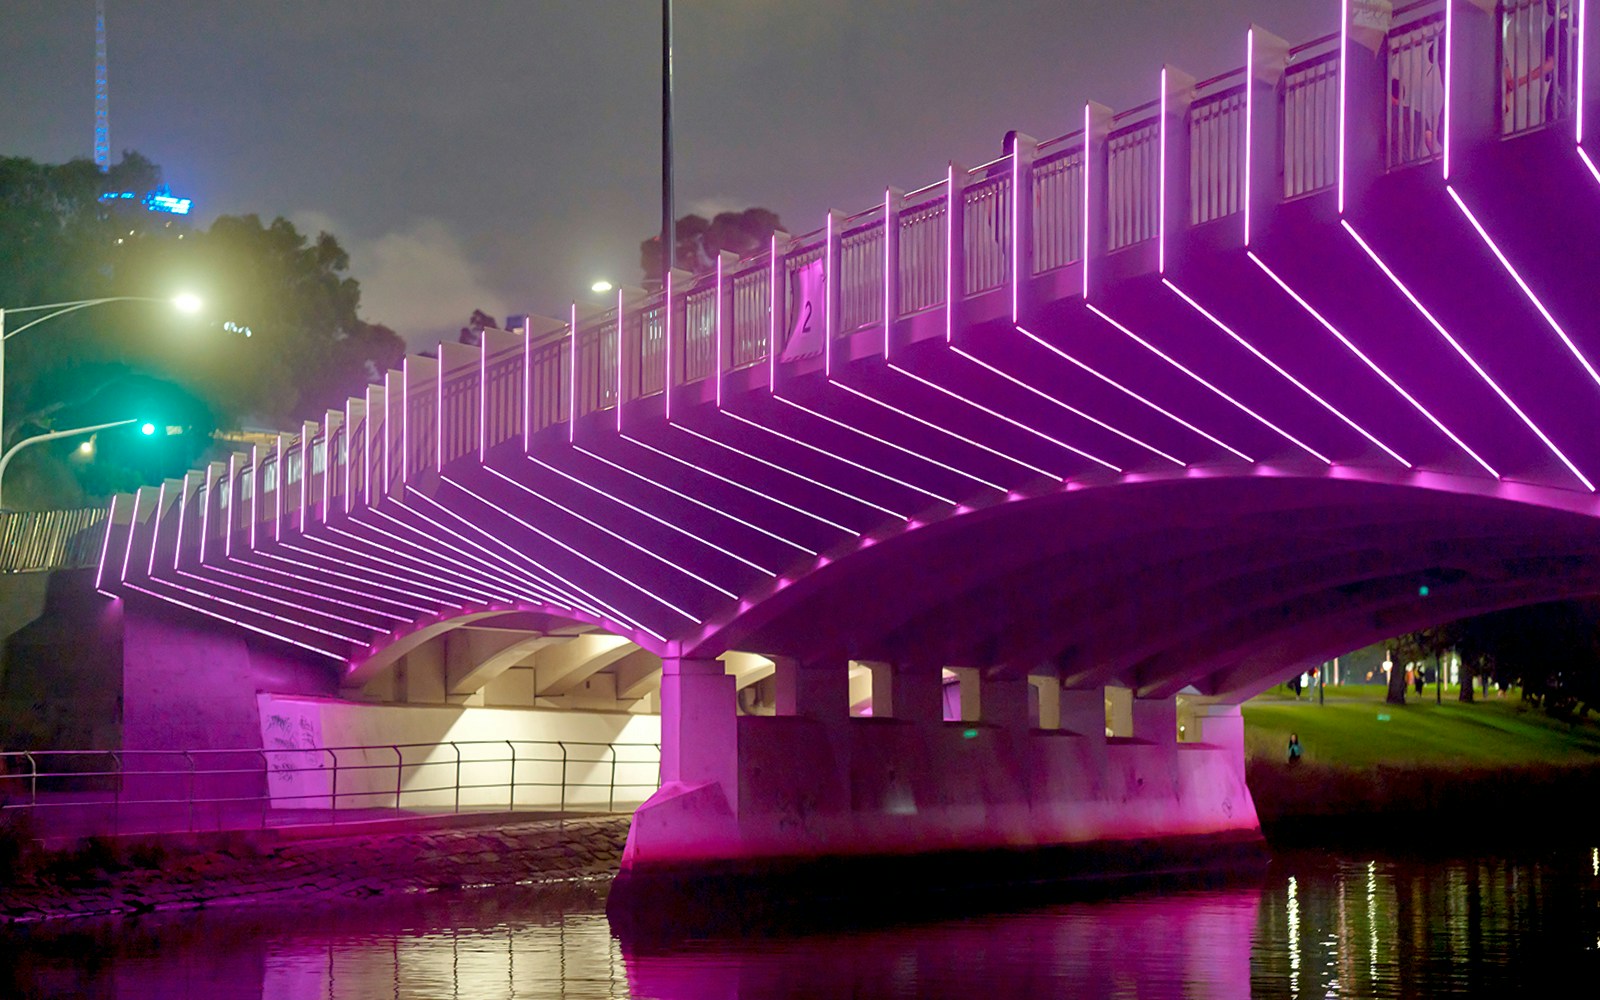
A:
(1355, 728)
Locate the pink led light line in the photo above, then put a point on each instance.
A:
(1422, 311)
(232, 621)
(699, 503)
(1353, 349)
(370, 609)
(654, 517)
(619, 537)
(840, 458)
(1197, 307)
(567, 593)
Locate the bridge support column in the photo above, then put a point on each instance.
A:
(913, 692)
(1004, 702)
(1083, 711)
(1220, 724)
(813, 690)
(699, 739)
(1155, 720)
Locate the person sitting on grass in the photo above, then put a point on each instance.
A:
(1294, 748)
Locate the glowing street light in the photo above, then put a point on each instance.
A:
(184, 302)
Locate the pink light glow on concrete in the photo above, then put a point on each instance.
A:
(720, 310)
(1197, 307)
(439, 593)
(889, 219)
(840, 458)
(370, 609)
(205, 510)
(952, 207)
(666, 345)
(330, 458)
(622, 352)
(1017, 255)
(232, 621)
(774, 297)
(1249, 115)
(1069, 407)
(698, 503)
(741, 486)
(591, 522)
(1088, 134)
(183, 506)
(1589, 163)
(1197, 378)
(828, 277)
(370, 587)
(305, 472)
(1577, 125)
(1010, 420)
(133, 523)
(257, 481)
(1522, 284)
(790, 472)
(105, 544)
(258, 595)
(1422, 311)
(625, 581)
(1326, 325)
(484, 587)
(1344, 74)
(572, 375)
(1131, 394)
(233, 504)
(259, 611)
(566, 593)
(1449, 80)
(155, 531)
(654, 517)
(1161, 176)
(280, 483)
(891, 444)
(945, 430)
(490, 562)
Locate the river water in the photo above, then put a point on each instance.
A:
(1318, 924)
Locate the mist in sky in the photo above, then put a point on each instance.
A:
(503, 154)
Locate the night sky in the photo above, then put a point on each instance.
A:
(503, 154)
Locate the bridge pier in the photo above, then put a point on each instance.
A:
(748, 794)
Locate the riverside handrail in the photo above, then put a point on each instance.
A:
(97, 792)
(33, 541)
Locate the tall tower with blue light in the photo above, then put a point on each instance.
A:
(102, 111)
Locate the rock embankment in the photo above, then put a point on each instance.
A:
(104, 877)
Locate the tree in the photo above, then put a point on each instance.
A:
(698, 241)
(307, 347)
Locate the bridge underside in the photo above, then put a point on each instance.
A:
(1285, 362)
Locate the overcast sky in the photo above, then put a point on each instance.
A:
(503, 154)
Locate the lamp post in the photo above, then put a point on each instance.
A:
(183, 303)
(669, 236)
(5, 459)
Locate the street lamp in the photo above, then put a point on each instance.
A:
(184, 302)
(5, 459)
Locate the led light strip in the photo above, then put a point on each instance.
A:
(1197, 307)
(946, 431)
(493, 587)
(840, 458)
(1054, 349)
(891, 444)
(415, 609)
(1010, 420)
(699, 503)
(790, 472)
(569, 594)
(593, 562)
(280, 601)
(738, 485)
(1314, 314)
(473, 592)
(245, 607)
(1068, 407)
(1527, 291)
(1240, 406)
(232, 621)
(654, 517)
(619, 537)
(1490, 382)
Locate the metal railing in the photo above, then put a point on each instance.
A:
(1539, 62)
(32, 541)
(101, 792)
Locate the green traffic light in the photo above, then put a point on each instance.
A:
(147, 429)
(1422, 591)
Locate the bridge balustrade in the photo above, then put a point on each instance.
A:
(1217, 152)
(923, 250)
(1539, 59)
(861, 271)
(1058, 199)
(1133, 194)
(752, 304)
(1415, 53)
(986, 226)
(1311, 117)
